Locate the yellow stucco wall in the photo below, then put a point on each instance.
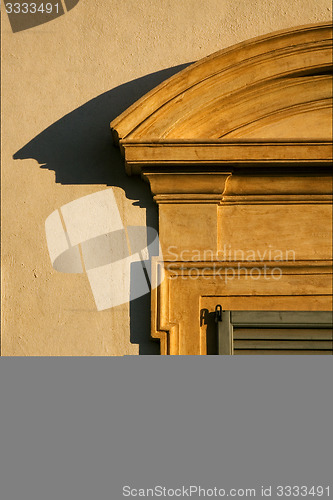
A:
(50, 71)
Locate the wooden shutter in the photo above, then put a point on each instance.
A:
(273, 332)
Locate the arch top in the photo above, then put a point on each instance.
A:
(273, 87)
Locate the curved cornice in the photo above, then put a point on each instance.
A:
(277, 86)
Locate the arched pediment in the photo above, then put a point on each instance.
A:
(274, 87)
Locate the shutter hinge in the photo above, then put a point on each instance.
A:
(218, 313)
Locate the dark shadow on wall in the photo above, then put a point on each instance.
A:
(140, 326)
(78, 148)
(208, 318)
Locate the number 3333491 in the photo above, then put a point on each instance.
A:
(31, 8)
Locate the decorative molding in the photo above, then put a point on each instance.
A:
(186, 187)
(225, 156)
(237, 149)
(179, 301)
(306, 267)
(311, 199)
